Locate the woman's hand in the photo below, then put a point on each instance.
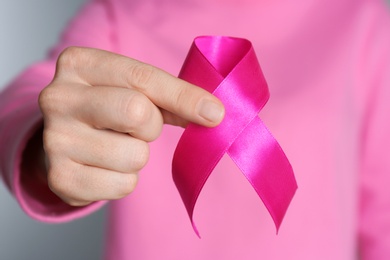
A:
(100, 111)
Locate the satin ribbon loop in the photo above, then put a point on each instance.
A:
(228, 68)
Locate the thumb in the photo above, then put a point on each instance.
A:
(210, 111)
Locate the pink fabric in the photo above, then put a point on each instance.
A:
(228, 68)
(327, 66)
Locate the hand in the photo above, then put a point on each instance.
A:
(100, 111)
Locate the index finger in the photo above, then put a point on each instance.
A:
(97, 67)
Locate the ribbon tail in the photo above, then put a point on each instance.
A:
(260, 158)
(191, 165)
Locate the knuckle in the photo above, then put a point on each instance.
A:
(69, 57)
(182, 98)
(136, 108)
(56, 98)
(61, 184)
(141, 75)
(58, 182)
(128, 185)
(48, 98)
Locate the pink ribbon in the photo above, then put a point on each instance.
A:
(228, 68)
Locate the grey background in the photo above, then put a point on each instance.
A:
(27, 29)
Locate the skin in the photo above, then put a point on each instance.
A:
(100, 111)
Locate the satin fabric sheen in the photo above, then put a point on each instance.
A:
(228, 68)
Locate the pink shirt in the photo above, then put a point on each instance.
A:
(327, 64)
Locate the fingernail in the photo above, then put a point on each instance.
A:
(211, 111)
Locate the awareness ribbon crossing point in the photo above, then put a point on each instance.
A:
(228, 68)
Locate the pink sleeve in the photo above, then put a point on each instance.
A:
(374, 222)
(20, 117)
